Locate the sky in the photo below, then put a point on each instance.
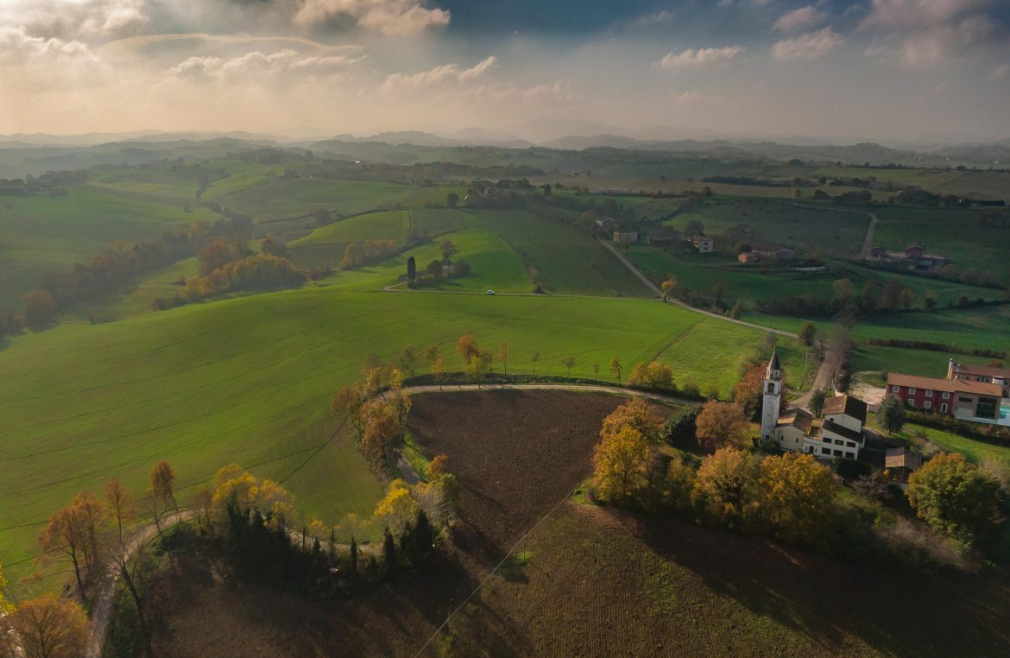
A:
(892, 71)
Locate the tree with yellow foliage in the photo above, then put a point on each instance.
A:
(397, 508)
(638, 415)
(349, 400)
(725, 486)
(120, 504)
(651, 375)
(66, 533)
(668, 286)
(5, 607)
(46, 627)
(797, 496)
(620, 463)
(382, 423)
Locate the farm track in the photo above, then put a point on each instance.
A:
(676, 302)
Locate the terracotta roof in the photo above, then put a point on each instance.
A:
(840, 430)
(799, 419)
(983, 371)
(948, 385)
(902, 458)
(845, 404)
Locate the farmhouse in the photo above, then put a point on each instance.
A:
(629, 237)
(703, 244)
(606, 223)
(972, 393)
(901, 463)
(838, 435)
(772, 251)
(913, 255)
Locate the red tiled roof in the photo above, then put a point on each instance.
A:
(947, 385)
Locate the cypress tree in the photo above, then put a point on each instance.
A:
(354, 555)
(388, 550)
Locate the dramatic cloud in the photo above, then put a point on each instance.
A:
(701, 58)
(393, 17)
(18, 48)
(84, 19)
(800, 19)
(440, 75)
(812, 45)
(928, 31)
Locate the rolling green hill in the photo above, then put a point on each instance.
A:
(249, 380)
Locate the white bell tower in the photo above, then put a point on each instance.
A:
(772, 398)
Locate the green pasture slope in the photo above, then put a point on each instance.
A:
(249, 380)
(40, 234)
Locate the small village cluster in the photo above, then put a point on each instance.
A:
(979, 394)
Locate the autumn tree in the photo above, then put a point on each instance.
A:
(807, 333)
(5, 606)
(408, 360)
(399, 399)
(47, 627)
(478, 365)
(892, 414)
(844, 291)
(620, 463)
(397, 508)
(221, 252)
(93, 517)
(467, 347)
(40, 309)
(668, 286)
(725, 487)
(568, 362)
(353, 257)
(382, 424)
(956, 497)
(447, 248)
(651, 375)
(797, 496)
(503, 355)
(120, 504)
(66, 534)
(438, 466)
(162, 480)
(720, 424)
(638, 415)
(615, 369)
(431, 353)
(748, 393)
(438, 371)
(349, 400)
(274, 247)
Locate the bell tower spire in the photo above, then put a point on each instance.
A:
(772, 398)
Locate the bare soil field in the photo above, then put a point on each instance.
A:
(592, 581)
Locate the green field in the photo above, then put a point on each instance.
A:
(249, 380)
(40, 234)
(956, 234)
(831, 231)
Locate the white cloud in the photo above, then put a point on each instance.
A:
(392, 17)
(912, 14)
(19, 48)
(700, 58)
(801, 18)
(77, 19)
(558, 92)
(256, 66)
(811, 45)
(440, 75)
(657, 18)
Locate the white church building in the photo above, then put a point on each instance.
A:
(839, 434)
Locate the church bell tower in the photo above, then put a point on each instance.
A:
(772, 398)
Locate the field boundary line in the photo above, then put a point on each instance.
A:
(493, 571)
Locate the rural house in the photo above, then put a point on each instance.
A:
(901, 463)
(628, 237)
(839, 434)
(772, 251)
(605, 223)
(973, 393)
(703, 244)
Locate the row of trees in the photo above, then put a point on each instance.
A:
(359, 254)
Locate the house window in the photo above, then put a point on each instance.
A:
(911, 402)
(928, 405)
(943, 408)
(911, 390)
(987, 408)
(850, 444)
(963, 399)
(839, 453)
(825, 451)
(810, 450)
(929, 394)
(946, 395)
(896, 389)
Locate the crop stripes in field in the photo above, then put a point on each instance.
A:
(490, 574)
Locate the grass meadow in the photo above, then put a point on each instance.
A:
(249, 380)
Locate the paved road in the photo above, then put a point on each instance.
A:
(676, 302)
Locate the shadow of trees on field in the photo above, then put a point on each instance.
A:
(898, 610)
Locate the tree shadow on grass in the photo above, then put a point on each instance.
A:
(898, 610)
